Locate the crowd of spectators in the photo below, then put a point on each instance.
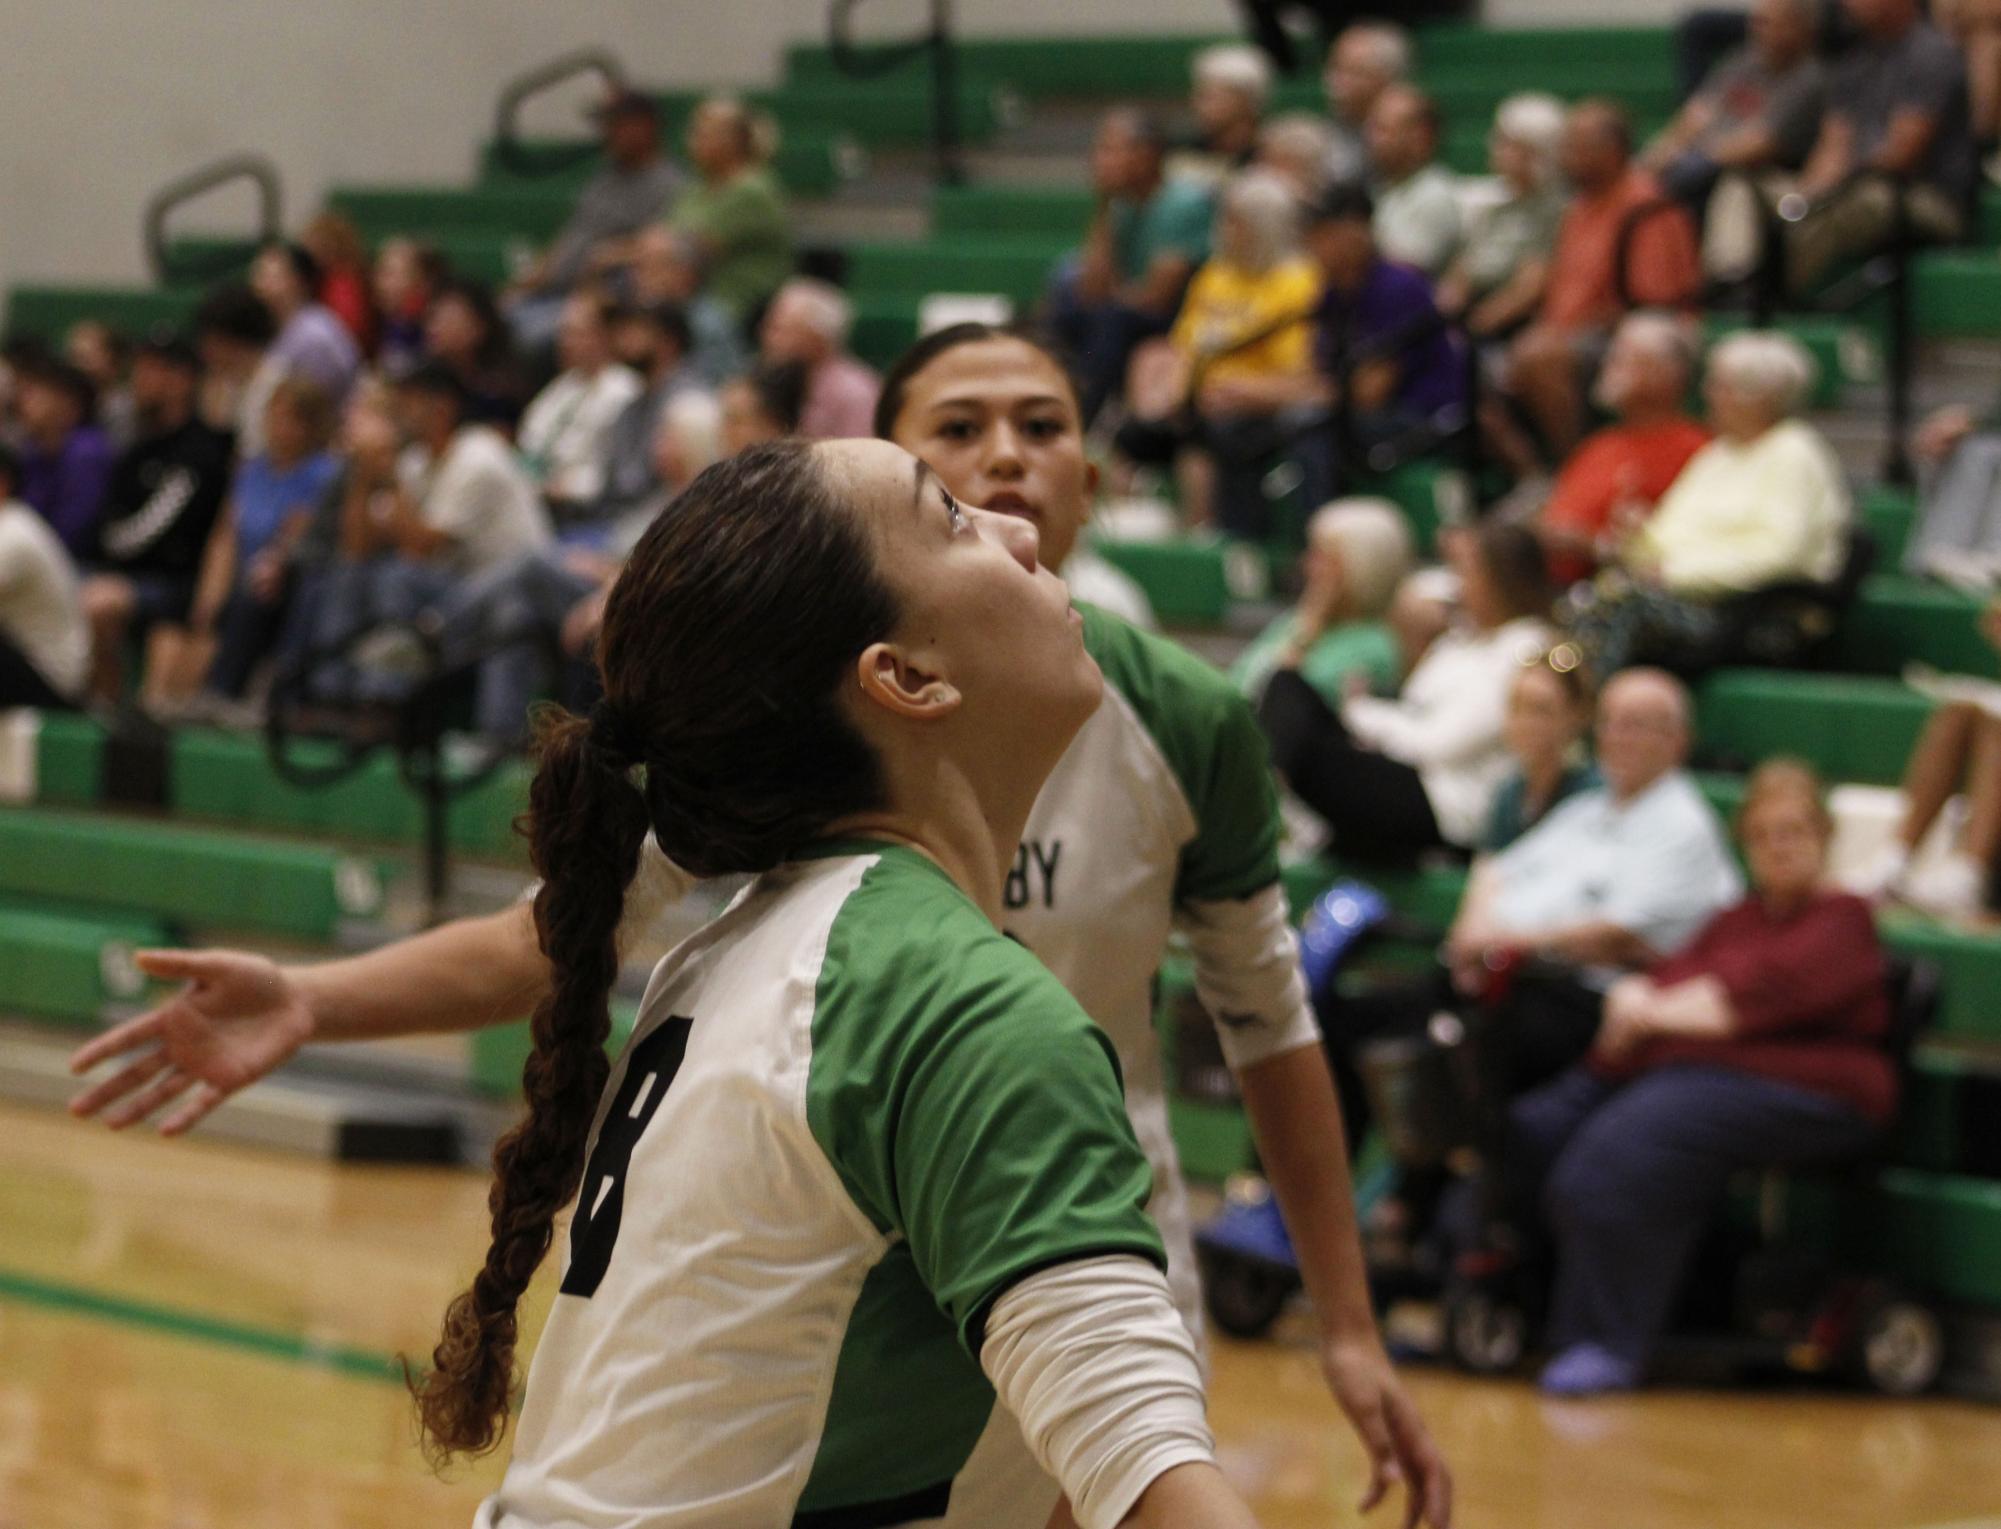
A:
(378, 466)
(340, 444)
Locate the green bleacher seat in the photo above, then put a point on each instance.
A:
(176, 872)
(1938, 1232)
(1058, 213)
(495, 1054)
(48, 310)
(1900, 620)
(521, 212)
(1889, 514)
(1186, 580)
(1570, 60)
(1016, 267)
(1970, 963)
(1957, 293)
(484, 256)
(871, 112)
(1849, 727)
(885, 324)
(228, 778)
(72, 966)
(808, 163)
(69, 759)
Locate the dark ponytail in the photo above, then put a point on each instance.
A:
(587, 821)
(724, 641)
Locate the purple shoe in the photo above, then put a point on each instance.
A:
(1585, 1369)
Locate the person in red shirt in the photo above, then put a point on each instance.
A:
(1619, 223)
(1758, 1045)
(1614, 478)
(345, 287)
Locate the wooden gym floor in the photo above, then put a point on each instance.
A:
(197, 1337)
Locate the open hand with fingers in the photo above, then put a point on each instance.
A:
(1386, 1420)
(239, 1017)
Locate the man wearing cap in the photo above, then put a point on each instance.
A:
(632, 190)
(165, 492)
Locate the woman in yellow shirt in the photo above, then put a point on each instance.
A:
(1247, 317)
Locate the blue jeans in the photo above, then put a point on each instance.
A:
(1099, 338)
(1627, 1176)
(508, 619)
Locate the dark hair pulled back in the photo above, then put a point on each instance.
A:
(725, 644)
(896, 384)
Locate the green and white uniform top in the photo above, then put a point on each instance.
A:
(852, 1118)
(1162, 814)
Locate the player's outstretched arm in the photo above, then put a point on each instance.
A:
(240, 1016)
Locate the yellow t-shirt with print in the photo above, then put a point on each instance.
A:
(1227, 304)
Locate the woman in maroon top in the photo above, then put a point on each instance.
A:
(1759, 1045)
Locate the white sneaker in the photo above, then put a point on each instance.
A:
(1881, 876)
(1969, 572)
(1954, 886)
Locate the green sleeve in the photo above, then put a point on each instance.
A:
(967, 1102)
(1212, 742)
(1186, 229)
(748, 212)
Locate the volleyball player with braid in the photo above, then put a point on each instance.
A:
(864, 1163)
(1160, 815)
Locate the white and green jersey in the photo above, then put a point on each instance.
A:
(1163, 814)
(851, 1117)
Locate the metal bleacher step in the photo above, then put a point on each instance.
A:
(316, 1107)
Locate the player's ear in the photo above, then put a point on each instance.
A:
(892, 680)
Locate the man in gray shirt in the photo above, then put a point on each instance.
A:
(629, 192)
(1757, 109)
(1897, 105)
(1417, 198)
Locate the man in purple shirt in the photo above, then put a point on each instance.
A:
(65, 458)
(1385, 357)
(1379, 328)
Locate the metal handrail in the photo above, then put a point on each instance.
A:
(412, 728)
(1889, 272)
(208, 265)
(878, 59)
(512, 149)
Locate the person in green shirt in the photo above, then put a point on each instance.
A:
(1357, 553)
(735, 211)
(1149, 233)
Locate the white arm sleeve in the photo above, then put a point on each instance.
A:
(1100, 1371)
(1247, 975)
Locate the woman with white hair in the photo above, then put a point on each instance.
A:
(1357, 553)
(1496, 281)
(1247, 318)
(1299, 146)
(1766, 503)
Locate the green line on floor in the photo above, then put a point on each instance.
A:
(271, 1343)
